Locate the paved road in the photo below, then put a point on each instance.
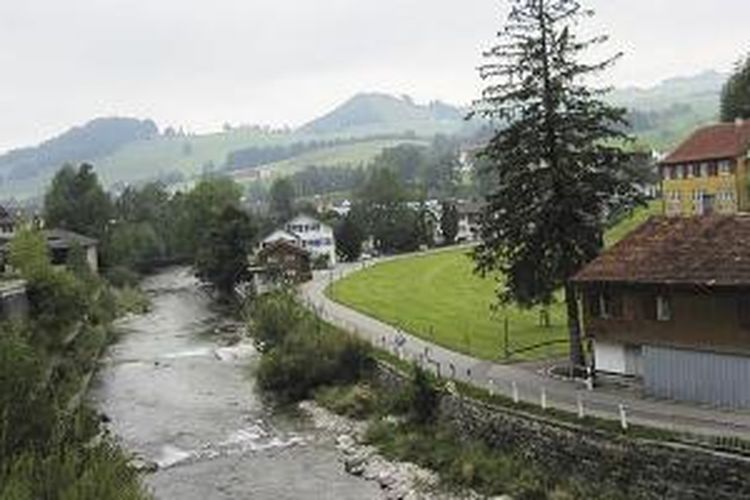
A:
(529, 383)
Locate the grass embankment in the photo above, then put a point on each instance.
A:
(439, 298)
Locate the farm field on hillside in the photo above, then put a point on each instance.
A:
(344, 155)
(437, 296)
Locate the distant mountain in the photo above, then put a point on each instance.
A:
(702, 87)
(127, 150)
(97, 138)
(383, 113)
(664, 114)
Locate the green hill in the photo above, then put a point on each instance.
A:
(370, 114)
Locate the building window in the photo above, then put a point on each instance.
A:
(743, 312)
(724, 167)
(696, 169)
(663, 308)
(713, 169)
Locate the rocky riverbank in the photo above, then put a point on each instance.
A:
(397, 480)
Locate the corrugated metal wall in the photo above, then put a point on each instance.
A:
(716, 379)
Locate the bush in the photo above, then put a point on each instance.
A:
(272, 317)
(354, 401)
(308, 359)
(121, 277)
(71, 473)
(424, 398)
(131, 300)
(301, 353)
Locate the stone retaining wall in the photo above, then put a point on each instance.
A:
(640, 468)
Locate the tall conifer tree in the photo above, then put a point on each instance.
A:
(556, 158)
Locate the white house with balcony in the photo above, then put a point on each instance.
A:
(309, 233)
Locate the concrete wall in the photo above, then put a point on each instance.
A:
(637, 467)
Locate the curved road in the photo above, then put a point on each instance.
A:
(528, 383)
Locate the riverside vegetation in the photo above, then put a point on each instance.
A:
(51, 444)
(305, 357)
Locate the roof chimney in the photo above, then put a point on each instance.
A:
(738, 122)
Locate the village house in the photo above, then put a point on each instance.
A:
(708, 172)
(280, 263)
(59, 242)
(670, 304)
(469, 221)
(310, 234)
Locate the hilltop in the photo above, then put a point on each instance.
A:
(377, 113)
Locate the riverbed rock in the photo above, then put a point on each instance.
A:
(144, 466)
(397, 480)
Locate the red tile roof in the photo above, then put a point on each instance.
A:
(705, 251)
(715, 142)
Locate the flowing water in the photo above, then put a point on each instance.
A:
(178, 396)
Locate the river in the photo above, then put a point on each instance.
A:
(177, 395)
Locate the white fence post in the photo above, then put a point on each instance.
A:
(580, 406)
(543, 398)
(515, 391)
(623, 418)
(491, 387)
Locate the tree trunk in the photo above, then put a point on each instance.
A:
(576, 346)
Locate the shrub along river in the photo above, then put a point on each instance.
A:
(180, 395)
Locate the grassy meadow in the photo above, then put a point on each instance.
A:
(437, 296)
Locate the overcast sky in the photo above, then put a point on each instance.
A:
(200, 63)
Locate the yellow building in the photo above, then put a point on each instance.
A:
(708, 173)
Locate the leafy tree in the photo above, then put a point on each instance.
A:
(77, 202)
(282, 199)
(449, 222)
(350, 233)
(397, 229)
(29, 254)
(382, 188)
(222, 259)
(194, 215)
(558, 162)
(135, 245)
(735, 95)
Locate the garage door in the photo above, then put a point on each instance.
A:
(705, 377)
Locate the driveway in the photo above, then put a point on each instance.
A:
(529, 382)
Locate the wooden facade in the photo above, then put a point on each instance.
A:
(688, 317)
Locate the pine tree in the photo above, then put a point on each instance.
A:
(735, 95)
(557, 162)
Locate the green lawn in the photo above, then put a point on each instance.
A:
(438, 297)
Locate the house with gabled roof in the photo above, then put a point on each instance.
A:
(308, 233)
(708, 172)
(670, 304)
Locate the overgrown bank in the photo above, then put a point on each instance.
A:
(304, 357)
(51, 444)
(480, 443)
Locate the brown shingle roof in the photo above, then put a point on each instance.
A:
(715, 142)
(706, 251)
